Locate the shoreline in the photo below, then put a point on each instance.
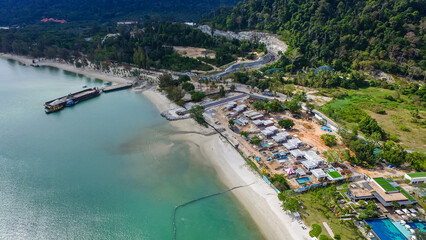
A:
(259, 199)
(28, 61)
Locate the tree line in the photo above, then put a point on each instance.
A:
(363, 35)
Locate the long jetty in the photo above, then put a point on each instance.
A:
(117, 87)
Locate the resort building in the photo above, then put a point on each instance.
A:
(272, 129)
(386, 191)
(416, 178)
(268, 123)
(289, 146)
(258, 123)
(267, 133)
(240, 108)
(281, 137)
(295, 141)
(230, 106)
(334, 175)
(300, 172)
(253, 115)
(359, 194)
(296, 153)
(309, 165)
(312, 156)
(319, 173)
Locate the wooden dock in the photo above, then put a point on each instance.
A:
(117, 87)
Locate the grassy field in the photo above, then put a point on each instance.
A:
(397, 120)
(315, 213)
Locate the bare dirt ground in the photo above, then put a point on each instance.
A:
(386, 172)
(194, 52)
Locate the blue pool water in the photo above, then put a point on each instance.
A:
(304, 180)
(418, 225)
(385, 229)
(402, 229)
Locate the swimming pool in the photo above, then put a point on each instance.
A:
(402, 229)
(304, 180)
(385, 229)
(418, 225)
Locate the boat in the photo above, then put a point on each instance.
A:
(71, 99)
(53, 108)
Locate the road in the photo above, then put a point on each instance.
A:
(216, 103)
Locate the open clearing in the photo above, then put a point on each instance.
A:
(194, 52)
(397, 119)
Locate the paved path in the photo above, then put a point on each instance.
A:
(330, 232)
(213, 104)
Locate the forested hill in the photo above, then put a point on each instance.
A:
(31, 11)
(349, 34)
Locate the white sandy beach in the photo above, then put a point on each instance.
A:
(259, 199)
(67, 67)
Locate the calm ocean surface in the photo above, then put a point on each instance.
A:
(103, 169)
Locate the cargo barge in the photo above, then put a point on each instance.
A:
(70, 100)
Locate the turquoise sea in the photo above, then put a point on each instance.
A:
(103, 169)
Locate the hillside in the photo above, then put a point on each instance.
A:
(363, 35)
(29, 11)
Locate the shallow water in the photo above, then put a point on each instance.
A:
(103, 169)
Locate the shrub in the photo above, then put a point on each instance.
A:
(393, 138)
(404, 128)
(258, 105)
(255, 140)
(329, 140)
(316, 230)
(337, 237)
(198, 96)
(187, 86)
(286, 123)
(324, 237)
(196, 112)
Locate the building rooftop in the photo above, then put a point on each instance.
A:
(385, 184)
(388, 197)
(318, 173)
(417, 175)
(358, 192)
(267, 132)
(309, 164)
(289, 146)
(297, 153)
(257, 122)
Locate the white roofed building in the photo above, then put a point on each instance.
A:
(297, 153)
(267, 133)
(268, 123)
(272, 129)
(319, 173)
(314, 157)
(309, 165)
(289, 146)
(230, 105)
(240, 108)
(295, 141)
(258, 123)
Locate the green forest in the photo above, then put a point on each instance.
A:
(30, 11)
(146, 45)
(348, 35)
